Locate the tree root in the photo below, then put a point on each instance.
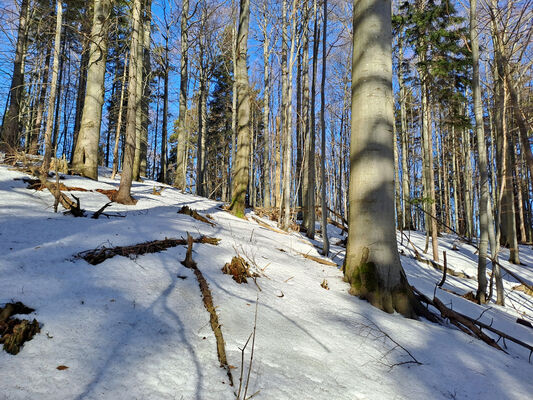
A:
(208, 304)
(97, 256)
(15, 332)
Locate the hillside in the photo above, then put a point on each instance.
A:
(136, 327)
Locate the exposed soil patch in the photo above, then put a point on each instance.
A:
(13, 331)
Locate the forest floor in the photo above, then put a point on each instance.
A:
(135, 327)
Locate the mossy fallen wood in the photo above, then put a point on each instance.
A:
(99, 255)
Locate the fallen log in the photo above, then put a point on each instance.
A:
(207, 298)
(319, 260)
(470, 325)
(97, 256)
(265, 225)
(193, 213)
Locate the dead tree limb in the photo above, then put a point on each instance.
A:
(98, 213)
(208, 304)
(97, 256)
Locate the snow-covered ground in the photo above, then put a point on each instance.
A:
(136, 328)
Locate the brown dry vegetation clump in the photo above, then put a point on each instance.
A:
(239, 269)
(13, 331)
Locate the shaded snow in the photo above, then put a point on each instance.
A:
(132, 329)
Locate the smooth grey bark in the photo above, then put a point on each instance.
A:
(234, 94)
(140, 138)
(266, 109)
(311, 178)
(85, 160)
(285, 141)
(468, 185)
(82, 81)
(404, 137)
(325, 239)
(305, 115)
(484, 195)
(240, 181)
(10, 133)
(372, 264)
(124, 191)
(145, 102)
(119, 119)
(53, 91)
(163, 165)
(181, 155)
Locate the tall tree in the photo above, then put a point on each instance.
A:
(53, 91)
(181, 158)
(240, 182)
(124, 190)
(86, 153)
(10, 139)
(372, 264)
(325, 239)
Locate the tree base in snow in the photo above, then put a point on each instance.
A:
(367, 285)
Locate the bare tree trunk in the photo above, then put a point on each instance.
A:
(468, 185)
(404, 135)
(285, 134)
(145, 103)
(163, 167)
(311, 179)
(519, 197)
(85, 159)
(53, 91)
(277, 158)
(85, 29)
(124, 191)
(10, 134)
(233, 104)
(240, 182)
(484, 196)
(266, 109)
(325, 239)
(454, 174)
(372, 264)
(119, 120)
(34, 138)
(305, 114)
(139, 90)
(181, 157)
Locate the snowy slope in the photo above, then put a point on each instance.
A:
(136, 328)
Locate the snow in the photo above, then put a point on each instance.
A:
(136, 328)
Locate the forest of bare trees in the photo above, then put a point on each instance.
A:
(372, 116)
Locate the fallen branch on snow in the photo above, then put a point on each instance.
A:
(99, 255)
(208, 304)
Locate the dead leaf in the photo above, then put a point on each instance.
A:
(62, 367)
